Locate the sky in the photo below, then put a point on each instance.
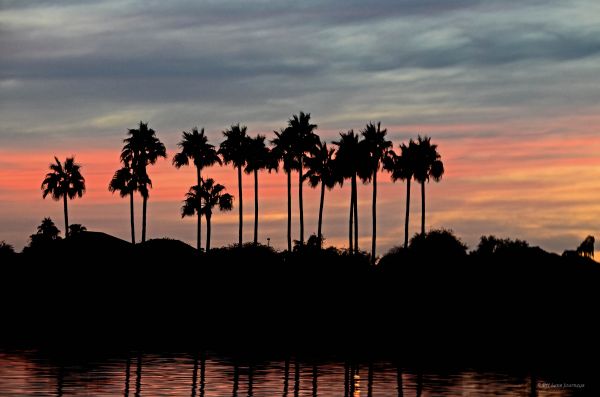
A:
(508, 90)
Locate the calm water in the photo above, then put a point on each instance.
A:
(29, 373)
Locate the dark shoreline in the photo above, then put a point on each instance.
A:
(538, 310)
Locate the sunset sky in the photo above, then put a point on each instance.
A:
(509, 90)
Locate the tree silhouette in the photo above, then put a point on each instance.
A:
(6, 249)
(283, 149)
(64, 181)
(233, 150)
(76, 228)
(401, 167)
(258, 157)
(303, 142)
(212, 195)
(322, 170)
(375, 149)
(427, 166)
(194, 146)
(125, 182)
(46, 232)
(142, 148)
(348, 166)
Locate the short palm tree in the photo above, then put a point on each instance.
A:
(401, 167)
(64, 181)
(48, 229)
(46, 233)
(304, 140)
(258, 157)
(428, 165)
(348, 167)
(233, 150)
(322, 171)
(76, 228)
(124, 181)
(194, 146)
(283, 149)
(212, 195)
(142, 148)
(375, 149)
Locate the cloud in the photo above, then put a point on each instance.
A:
(502, 86)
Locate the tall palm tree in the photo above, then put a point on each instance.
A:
(212, 195)
(348, 166)
(402, 167)
(322, 170)
(142, 148)
(428, 165)
(304, 140)
(258, 157)
(233, 150)
(375, 148)
(64, 181)
(194, 146)
(283, 149)
(124, 181)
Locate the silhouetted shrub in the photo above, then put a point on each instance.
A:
(7, 251)
(491, 245)
(438, 243)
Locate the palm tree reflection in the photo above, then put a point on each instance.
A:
(138, 376)
(127, 376)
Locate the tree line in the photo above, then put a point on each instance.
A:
(295, 148)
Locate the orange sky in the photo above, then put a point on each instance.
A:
(539, 187)
(508, 90)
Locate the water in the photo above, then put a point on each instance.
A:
(31, 373)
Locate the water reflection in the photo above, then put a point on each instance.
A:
(138, 376)
(127, 376)
(146, 374)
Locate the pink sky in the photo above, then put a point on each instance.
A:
(539, 187)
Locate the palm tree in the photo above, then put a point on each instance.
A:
(66, 182)
(402, 167)
(304, 140)
(76, 228)
(48, 229)
(142, 148)
(194, 146)
(233, 150)
(283, 149)
(46, 233)
(375, 148)
(348, 165)
(427, 166)
(212, 195)
(258, 156)
(124, 181)
(322, 170)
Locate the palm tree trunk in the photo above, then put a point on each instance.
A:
(199, 233)
(355, 189)
(289, 210)
(66, 215)
(208, 230)
(406, 218)
(351, 217)
(144, 207)
(132, 217)
(300, 203)
(321, 213)
(255, 207)
(241, 207)
(374, 237)
(423, 208)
